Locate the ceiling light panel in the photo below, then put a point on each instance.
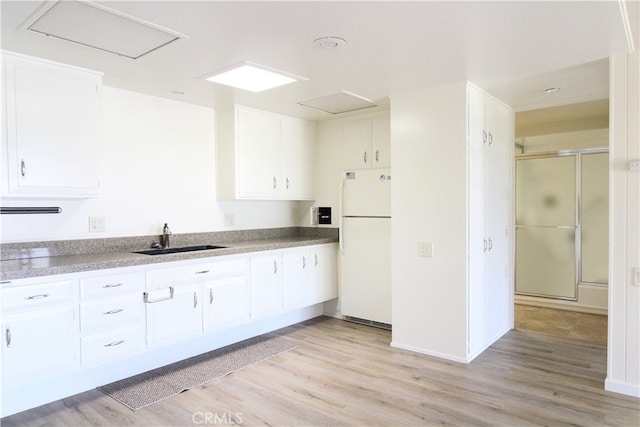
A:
(96, 26)
(252, 77)
(341, 102)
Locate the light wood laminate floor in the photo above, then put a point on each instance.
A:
(346, 374)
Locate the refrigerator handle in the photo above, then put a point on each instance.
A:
(340, 230)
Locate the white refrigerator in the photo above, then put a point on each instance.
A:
(365, 245)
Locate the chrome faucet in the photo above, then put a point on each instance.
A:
(166, 233)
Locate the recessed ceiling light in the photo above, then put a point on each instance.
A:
(327, 43)
(552, 90)
(252, 77)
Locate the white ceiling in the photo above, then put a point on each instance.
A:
(514, 49)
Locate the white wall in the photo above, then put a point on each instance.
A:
(429, 205)
(158, 165)
(623, 362)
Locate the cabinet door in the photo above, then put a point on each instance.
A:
(381, 142)
(499, 163)
(357, 144)
(266, 285)
(53, 128)
(258, 138)
(478, 242)
(226, 302)
(297, 266)
(298, 146)
(324, 277)
(39, 342)
(173, 317)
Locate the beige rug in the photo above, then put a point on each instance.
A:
(153, 386)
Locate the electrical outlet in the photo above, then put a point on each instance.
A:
(229, 220)
(97, 224)
(425, 249)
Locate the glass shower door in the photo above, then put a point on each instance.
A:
(546, 227)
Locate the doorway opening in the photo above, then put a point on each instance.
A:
(561, 194)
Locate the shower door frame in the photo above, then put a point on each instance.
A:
(577, 153)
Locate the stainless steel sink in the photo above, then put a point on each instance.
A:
(178, 250)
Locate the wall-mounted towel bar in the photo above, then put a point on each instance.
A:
(30, 210)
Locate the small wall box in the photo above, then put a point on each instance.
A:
(324, 215)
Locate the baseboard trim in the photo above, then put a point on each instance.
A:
(620, 387)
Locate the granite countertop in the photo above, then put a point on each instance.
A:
(35, 259)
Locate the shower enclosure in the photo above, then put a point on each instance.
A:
(561, 222)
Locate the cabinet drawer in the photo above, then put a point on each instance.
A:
(111, 314)
(35, 296)
(112, 285)
(111, 346)
(199, 271)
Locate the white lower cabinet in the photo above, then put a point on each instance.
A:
(266, 284)
(227, 296)
(309, 275)
(39, 331)
(111, 317)
(174, 313)
(323, 279)
(296, 274)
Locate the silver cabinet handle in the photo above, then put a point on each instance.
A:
(210, 295)
(7, 334)
(115, 343)
(113, 285)
(202, 272)
(39, 296)
(490, 244)
(316, 260)
(377, 156)
(275, 182)
(484, 136)
(275, 267)
(23, 168)
(304, 262)
(148, 301)
(287, 183)
(364, 157)
(117, 310)
(195, 299)
(485, 245)
(490, 138)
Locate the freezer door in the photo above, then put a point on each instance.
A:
(365, 269)
(366, 192)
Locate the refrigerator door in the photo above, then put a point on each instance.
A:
(365, 269)
(366, 192)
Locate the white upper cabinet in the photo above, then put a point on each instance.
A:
(298, 148)
(367, 142)
(261, 155)
(52, 129)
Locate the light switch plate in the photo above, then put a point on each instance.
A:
(425, 249)
(229, 220)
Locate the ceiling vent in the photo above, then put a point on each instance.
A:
(99, 27)
(341, 102)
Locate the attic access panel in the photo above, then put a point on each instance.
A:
(341, 102)
(99, 27)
